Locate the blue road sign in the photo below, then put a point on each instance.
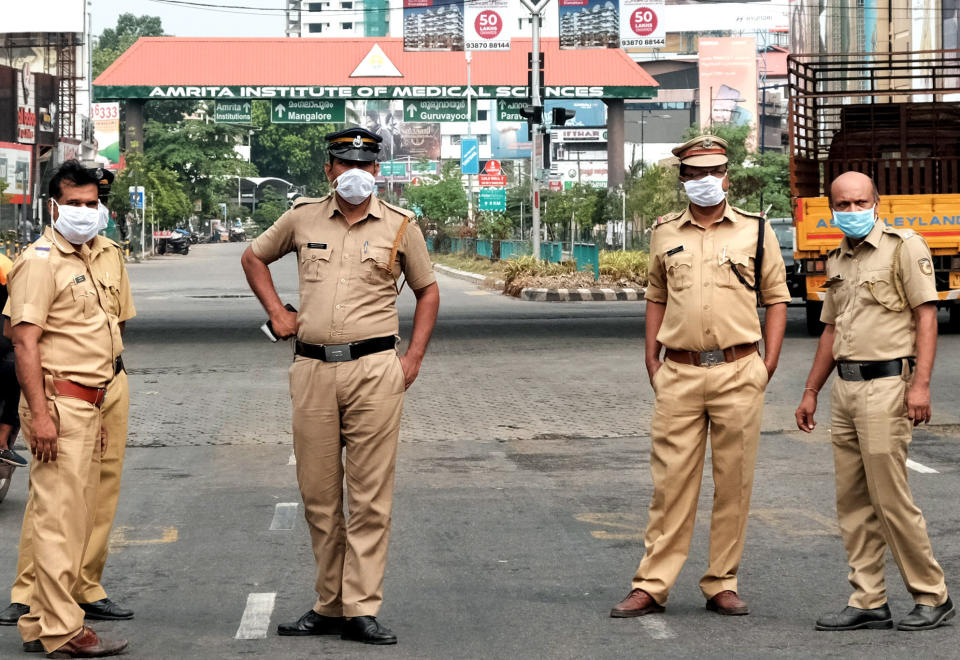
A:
(470, 156)
(136, 200)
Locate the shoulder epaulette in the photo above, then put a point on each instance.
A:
(399, 209)
(749, 214)
(669, 217)
(902, 234)
(301, 201)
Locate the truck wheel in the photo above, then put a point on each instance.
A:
(814, 326)
(954, 324)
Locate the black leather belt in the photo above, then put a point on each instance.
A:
(871, 370)
(345, 352)
(118, 365)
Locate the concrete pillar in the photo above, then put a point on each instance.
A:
(133, 115)
(615, 140)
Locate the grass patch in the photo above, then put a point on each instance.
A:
(470, 263)
(630, 266)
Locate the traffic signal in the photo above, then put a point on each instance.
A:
(533, 113)
(560, 116)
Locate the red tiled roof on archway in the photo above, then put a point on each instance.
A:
(320, 61)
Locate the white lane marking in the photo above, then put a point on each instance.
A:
(656, 627)
(283, 516)
(256, 616)
(292, 460)
(923, 469)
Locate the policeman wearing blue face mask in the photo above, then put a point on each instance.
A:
(880, 311)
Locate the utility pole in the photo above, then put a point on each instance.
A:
(535, 9)
(469, 55)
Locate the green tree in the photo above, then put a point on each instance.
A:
(494, 224)
(578, 203)
(167, 202)
(294, 152)
(203, 157)
(653, 194)
(269, 209)
(442, 202)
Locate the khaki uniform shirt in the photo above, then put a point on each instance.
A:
(707, 307)
(347, 289)
(68, 294)
(871, 319)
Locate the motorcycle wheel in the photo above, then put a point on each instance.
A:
(162, 247)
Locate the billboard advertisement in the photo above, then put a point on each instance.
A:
(728, 83)
(642, 24)
(509, 139)
(589, 23)
(589, 113)
(418, 140)
(44, 16)
(15, 172)
(487, 25)
(106, 131)
(432, 25)
(686, 16)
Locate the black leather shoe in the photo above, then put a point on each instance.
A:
(853, 618)
(105, 610)
(927, 617)
(312, 623)
(368, 630)
(33, 647)
(12, 614)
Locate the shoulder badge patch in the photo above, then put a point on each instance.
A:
(909, 233)
(925, 266)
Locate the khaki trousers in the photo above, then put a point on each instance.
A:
(114, 413)
(61, 505)
(728, 400)
(355, 407)
(871, 431)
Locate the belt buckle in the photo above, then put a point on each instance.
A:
(849, 371)
(337, 353)
(712, 358)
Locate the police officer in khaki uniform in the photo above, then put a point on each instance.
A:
(704, 289)
(880, 313)
(347, 381)
(107, 266)
(67, 342)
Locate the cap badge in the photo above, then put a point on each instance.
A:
(357, 141)
(707, 143)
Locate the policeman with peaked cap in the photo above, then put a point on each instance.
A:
(347, 381)
(707, 278)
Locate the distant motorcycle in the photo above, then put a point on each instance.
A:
(237, 235)
(175, 243)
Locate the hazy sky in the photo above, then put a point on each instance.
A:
(195, 22)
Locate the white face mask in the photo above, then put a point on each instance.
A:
(104, 218)
(355, 185)
(707, 191)
(77, 224)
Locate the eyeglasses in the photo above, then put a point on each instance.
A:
(701, 172)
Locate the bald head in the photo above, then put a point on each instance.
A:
(853, 191)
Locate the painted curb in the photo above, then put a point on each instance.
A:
(582, 295)
(476, 278)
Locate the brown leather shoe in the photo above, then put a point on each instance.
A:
(86, 644)
(637, 603)
(728, 603)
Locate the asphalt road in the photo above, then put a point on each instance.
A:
(522, 491)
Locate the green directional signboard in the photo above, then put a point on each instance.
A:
(400, 167)
(510, 110)
(437, 110)
(232, 112)
(493, 199)
(393, 168)
(308, 111)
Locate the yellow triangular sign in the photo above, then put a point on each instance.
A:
(376, 65)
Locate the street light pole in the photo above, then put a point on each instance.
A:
(469, 55)
(535, 10)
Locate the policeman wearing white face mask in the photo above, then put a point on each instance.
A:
(711, 265)
(347, 381)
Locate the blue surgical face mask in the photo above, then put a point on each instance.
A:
(855, 224)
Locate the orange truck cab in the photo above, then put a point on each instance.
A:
(881, 117)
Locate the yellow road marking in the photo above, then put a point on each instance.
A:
(118, 539)
(630, 522)
(786, 521)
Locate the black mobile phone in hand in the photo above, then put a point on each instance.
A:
(268, 327)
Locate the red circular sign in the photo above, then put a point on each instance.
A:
(488, 24)
(643, 21)
(492, 167)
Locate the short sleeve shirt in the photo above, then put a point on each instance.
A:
(53, 286)
(871, 292)
(692, 273)
(348, 287)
